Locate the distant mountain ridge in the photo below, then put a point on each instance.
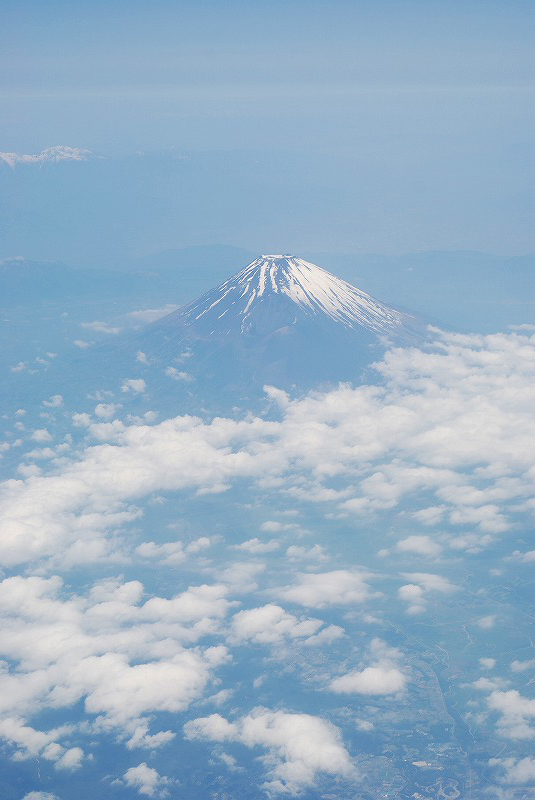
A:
(50, 155)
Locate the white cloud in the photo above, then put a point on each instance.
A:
(529, 557)
(41, 435)
(142, 357)
(135, 385)
(487, 663)
(100, 327)
(271, 624)
(241, 576)
(518, 772)
(318, 590)
(431, 582)
(371, 680)
(81, 344)
(422, 545)
(56, 401)
(106, 410)
(178, 375)
(71, 759)
(257, 546)
(81, 420)
(516, 712)
(28, 741)
(272, 526)
(124, 658)
(489, 684)
(40, 796)
(146, 780)
(171, 553)
(414, 594)
(522, 666)
(382, 677)
(299, 746)
(314, 553)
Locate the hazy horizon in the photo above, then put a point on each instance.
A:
(354, 126)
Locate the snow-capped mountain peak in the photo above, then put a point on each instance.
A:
(50, 155)
(291, 284)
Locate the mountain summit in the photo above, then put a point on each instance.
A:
(280, 320)
(280, 285)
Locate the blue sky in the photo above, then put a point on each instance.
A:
(436, 96)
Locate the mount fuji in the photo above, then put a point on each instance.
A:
(279, 320)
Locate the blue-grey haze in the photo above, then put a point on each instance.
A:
(225, 574)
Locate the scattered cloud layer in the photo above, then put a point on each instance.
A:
(445, 447)
(456, 424)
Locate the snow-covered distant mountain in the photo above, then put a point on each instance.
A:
(51, 155)
(280, 320)
(274, 285)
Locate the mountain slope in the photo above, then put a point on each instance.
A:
(280, 320)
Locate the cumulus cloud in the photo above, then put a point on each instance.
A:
(124, 658)
(178, 375)
(41, 435)
(56, 401)
(371, 680)
(135, 385)
(519, 772)
(270, 624)
(106, 410)
(299, 746)
(257, 546)
(314, 553)
(414, 594)
(172, 553)
(71, 759)
(522, 666)
(322, 589)
(146, 781)
(382, 677)
(431, 582)
(515, 712)
(421, 545)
